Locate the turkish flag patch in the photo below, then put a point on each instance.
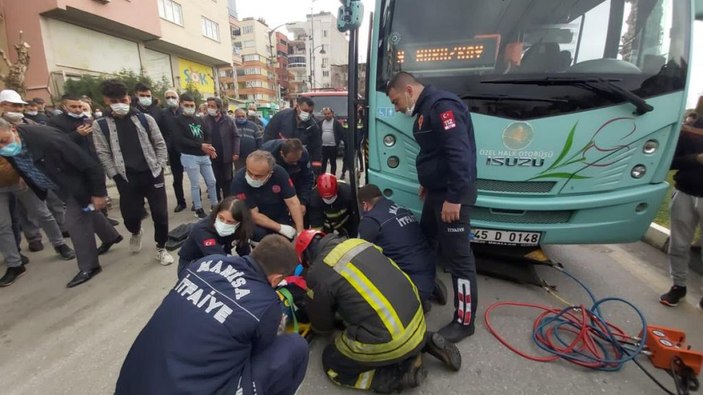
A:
(276, 189)
(290, 182)
(242, 196)
(448, 121)
(209, 242)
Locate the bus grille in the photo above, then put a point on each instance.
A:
(522, 217)
(515, 187)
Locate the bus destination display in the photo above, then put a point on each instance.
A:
(476, 52)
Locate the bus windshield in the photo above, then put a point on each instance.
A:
(338, 103)
(497, 54)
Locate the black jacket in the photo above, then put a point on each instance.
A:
(285, 125)
(187, 140)
(76, 174)
(229, 134)
(251, 139)
(689, 177)
(338, 130)
(153, 110)
(40, 118)
(68, 126)
(203, 240)
(446, 163)
(168, 126)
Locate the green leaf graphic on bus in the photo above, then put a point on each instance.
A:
(612, 136)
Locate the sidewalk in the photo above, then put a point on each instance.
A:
(658, 237)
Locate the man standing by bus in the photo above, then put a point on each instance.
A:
(298, 123)
(446, 170)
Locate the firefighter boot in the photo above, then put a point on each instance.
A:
(439, 293)
(463, 323)
(407, 374)
(445, 351)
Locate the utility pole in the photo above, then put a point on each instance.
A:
(312, 50)
(349, 19)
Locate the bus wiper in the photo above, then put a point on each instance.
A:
(597, 85)
(496, 97)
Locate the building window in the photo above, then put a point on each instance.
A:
(210, 29)
(252, 70)
(324, 33)
(325, 62)
(249, 29)
(249, 44)
(250, 58)
(236, 48)
(171, 11)
(325, 73)
(235, 31)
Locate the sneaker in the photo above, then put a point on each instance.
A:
(65, 251)
(440, 348)
(672, 298)
(135, 242)
(163, 257)
(200, 213)
(35, 246)
(11, 275)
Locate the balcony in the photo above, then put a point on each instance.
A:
(297, 66)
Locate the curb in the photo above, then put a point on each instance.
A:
(658, 236)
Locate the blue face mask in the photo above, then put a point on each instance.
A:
(11, 149)
(241, 121)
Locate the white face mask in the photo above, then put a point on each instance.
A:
(212, 112)
(255, 183)
(304, 116)
(189, 111)
(120, 108)
(32, 113)
(172, 102)
(98, 114)
(73, 115)
(410, 109)
(145, 101)
(86, 114)
(330, 200)
(224, 229)
(13, 116)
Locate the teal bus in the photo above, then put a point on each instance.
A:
(576, 107)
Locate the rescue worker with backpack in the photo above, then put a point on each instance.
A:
(385, 333)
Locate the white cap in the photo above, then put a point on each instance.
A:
(10, 96)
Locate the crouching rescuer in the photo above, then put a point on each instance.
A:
(384, 332)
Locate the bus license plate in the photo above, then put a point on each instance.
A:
(506, 237)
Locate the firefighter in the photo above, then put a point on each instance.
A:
(216, 331)
(381, 347)
(446, 170)
(293, 157)
(331, 207)
(397, 232)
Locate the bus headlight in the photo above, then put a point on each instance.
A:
(650, 147)
(389, 140)
(393, 162)
(638, 171)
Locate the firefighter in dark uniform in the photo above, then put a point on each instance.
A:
(446, 170)
(331, 207)
(268, 191)
(226, 231)
(380, 348)
(299, 123)
(216, 331)
(292, 156)
(397, 232)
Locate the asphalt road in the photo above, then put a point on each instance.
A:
(55, 340)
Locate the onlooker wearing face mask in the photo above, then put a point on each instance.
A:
(299, 123)
(146, 103)
(34, 214)
(42, 107)
(251, 137)
(226, 231)
(225, 139)
(268, 191)
(194, 141)
(75, 123)
(253, 116)
(133, 153)
(167, 124)
(32, 113)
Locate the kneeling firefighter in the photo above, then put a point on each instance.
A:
(381, 346)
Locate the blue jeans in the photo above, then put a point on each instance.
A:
(195, 166)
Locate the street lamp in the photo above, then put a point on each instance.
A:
(312, 63)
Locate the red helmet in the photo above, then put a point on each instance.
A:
(327, 185)
(303, 242)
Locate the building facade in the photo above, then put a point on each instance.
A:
(256, 78)
(324, 46)
(283, 76)
(180, 42)
(229, 88)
